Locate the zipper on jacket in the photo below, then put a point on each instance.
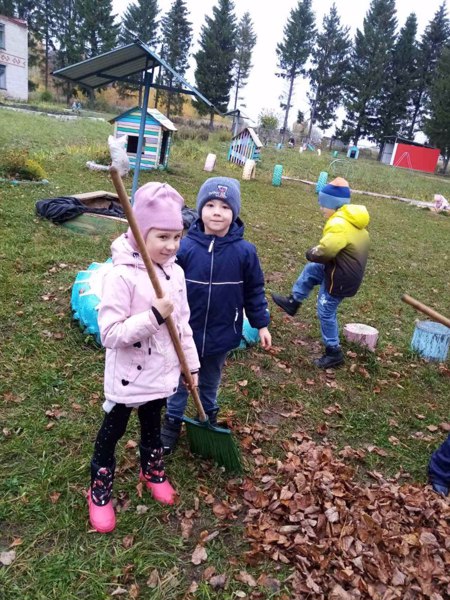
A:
(210, 250)
(332, 279)
(235, 320)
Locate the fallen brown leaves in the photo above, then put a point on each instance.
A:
(344, 540)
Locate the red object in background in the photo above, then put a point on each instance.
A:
(418, 158)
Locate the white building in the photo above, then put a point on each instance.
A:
(13, 58)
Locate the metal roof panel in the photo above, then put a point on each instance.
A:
(118, 64)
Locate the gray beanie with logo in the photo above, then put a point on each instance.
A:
(226, 189)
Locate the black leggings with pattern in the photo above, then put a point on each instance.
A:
(115, 424)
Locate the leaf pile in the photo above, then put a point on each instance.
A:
(342, 540)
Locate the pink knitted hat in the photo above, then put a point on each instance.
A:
(156, 205)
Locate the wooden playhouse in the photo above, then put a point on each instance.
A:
(157, 137)
(399, 152)
(244, 145)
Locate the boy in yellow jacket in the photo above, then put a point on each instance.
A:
(337, 266)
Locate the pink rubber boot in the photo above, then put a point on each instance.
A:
(101, 510)
(153, 475)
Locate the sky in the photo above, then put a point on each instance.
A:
(269, 18)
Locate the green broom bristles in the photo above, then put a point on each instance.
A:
(214, 442)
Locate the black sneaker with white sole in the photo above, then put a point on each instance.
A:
(288, 303)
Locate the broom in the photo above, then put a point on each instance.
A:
(204, 439)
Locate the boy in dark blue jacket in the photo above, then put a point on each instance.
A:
(223, 278)
(439, 468)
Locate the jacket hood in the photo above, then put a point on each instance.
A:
(235, 233)
(356, 214)
(123, 253)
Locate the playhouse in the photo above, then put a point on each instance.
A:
(157, 137)
(244, 145)
(399, 152)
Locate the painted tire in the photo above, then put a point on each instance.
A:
(210, 162)
(277, 173)
(249, 171)
(322, 181)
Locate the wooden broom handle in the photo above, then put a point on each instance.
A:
(426, 310)
(125, 202)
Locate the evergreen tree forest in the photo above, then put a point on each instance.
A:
(385, 79)
(215, 58)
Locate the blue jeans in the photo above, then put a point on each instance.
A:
(314, 274)
(209, 378)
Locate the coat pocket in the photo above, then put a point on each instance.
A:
(129, 364)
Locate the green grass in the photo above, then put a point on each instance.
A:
(48, 365)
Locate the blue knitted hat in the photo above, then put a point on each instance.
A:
(220, 188)
(335, 194)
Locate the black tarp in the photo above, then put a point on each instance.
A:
(65, 208)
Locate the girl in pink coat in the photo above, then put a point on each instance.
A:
(142, 368)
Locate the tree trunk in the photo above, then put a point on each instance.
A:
(47, 41)
(446, 160)
(91, 98)
(410, 134)
(234, 127)
(211, 120)
(380, 153)
(313, 114)
(288, 106)
(169, 99)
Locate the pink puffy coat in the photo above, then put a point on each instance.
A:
(141, 362)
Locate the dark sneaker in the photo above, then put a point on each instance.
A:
(288, 303)
(170, 432)
(333, 357)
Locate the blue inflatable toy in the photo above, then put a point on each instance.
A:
(86, 295)
(250, 335)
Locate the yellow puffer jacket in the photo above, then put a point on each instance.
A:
(343, 249)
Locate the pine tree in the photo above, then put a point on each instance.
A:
(98, 29)
(437, 126)
(23, 9)
(140, 20)
(246, 40)
(397, 87)
(215, 58)
(8, 8)
(177, 39)
(46, 22)
(330, 62)
(369, 68)
(294, 50)
(435, 37)
(69, 43)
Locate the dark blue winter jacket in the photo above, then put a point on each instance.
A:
(439, 465)
(223, 277)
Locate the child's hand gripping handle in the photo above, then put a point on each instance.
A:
(125, 202)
